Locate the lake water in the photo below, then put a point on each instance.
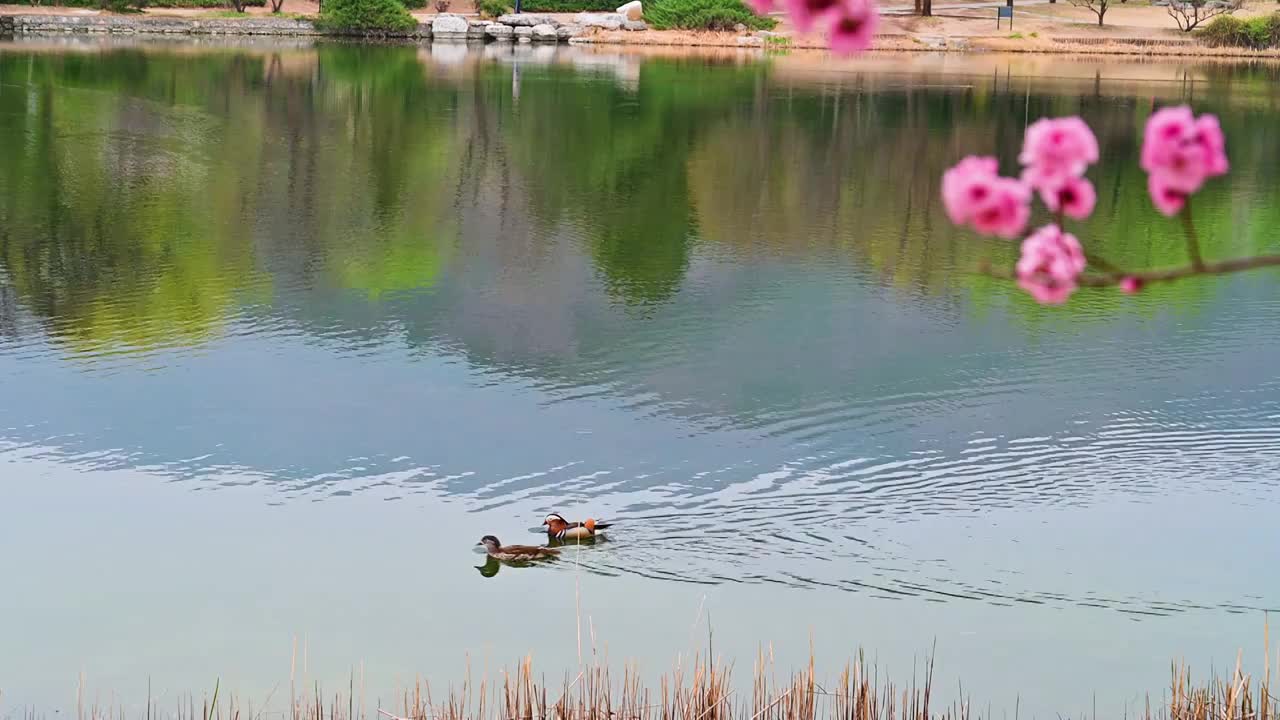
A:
(285, 329)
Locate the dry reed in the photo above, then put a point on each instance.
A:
(700, 690)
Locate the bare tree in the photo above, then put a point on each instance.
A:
(1097, 7)
(1190, 13)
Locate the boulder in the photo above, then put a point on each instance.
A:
(545, 33)
(739, 28)
(608, 21)
(564, 32)
(522, 32)
(634, 25)
(632, 10)
(498, 31)
(449, 27)
(522, 20)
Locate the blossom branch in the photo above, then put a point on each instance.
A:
(1157, 275)
(1179, 152)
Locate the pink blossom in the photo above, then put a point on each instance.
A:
(1180, 152)
(1214, 143)
(1075, 197)
(974, 195)
(761, 7)
(967, 185)
(1050, 264)
(1056, 150)
(804, 13)
(1167, 199)
(1130, 285)
(852, 30)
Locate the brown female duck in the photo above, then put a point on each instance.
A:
(510, 553)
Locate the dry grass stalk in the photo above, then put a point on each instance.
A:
(697, 690)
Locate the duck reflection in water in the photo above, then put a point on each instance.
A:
(490, 567)
(569, 542)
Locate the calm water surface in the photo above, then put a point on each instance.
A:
(285, 330)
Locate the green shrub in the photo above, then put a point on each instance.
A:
(493, 8)
(365, 16)
(1258, 32)
(414, 4)
(1223, 30)
(1264, 31)
(703, 15)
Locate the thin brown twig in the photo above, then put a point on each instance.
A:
(1223, 267)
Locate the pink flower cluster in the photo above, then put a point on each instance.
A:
(1050, 263)
(850, 24)
(1180, 152)
(1055, 153)
(975, 195)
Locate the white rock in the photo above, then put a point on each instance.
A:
(499, 31)
(632, 10)
(565, 32)
(634, 25)
(608, 21)
(522, 20)
(545, 33)
(447, 26)
(523, 32)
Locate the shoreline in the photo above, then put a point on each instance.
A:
(51, 23)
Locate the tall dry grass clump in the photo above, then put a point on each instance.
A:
(1222, 698)
(698, 690)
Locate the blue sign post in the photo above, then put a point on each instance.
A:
(1004, 12)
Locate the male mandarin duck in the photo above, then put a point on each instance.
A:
(561, 529)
